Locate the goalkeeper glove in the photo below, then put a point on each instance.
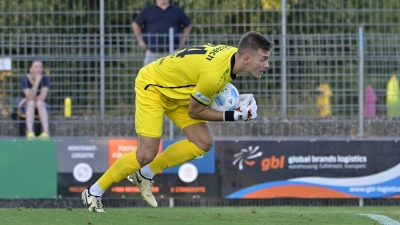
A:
(247, 109)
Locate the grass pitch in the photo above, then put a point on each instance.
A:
(205, 215)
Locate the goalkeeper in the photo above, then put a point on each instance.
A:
(181, 86)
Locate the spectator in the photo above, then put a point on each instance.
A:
(35, 86)
(370, 99)
(323, 101)
(393, 97)
(151, 28)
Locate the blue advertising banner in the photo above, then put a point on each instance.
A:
(253, 169)
(82, 161)
(304, 169)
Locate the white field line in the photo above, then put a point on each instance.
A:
(381, 219)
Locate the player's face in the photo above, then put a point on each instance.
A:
(258, 63)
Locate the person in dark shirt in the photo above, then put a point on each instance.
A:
(151, 28)
(35, 86)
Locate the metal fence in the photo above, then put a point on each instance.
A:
(91, 55)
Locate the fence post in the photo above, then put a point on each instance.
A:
(102, 65)
(283, 62)
(361, 82)
(171, 50)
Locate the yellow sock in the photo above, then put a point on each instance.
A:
(122, 168)
(175, 154)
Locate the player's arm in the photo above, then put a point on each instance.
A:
(201, 98)
(246, 111)
(200, 111)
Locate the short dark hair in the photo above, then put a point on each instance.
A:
(253, 41)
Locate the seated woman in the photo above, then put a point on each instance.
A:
(35, 86)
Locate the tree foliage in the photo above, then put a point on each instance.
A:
(218, 16)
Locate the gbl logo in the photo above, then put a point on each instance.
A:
(246, 157)
(272, 163)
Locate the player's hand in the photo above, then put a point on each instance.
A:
(241, 114)
(245, 99)
(252, 109)
(247, 109)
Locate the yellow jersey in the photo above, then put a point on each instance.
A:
(199, 72)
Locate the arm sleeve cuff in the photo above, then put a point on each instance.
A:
(228, 116)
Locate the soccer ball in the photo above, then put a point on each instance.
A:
(227, 99)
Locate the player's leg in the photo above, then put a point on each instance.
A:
(149, 116)
(121, 168)
(126, 165)
(147, 150)
(150, 107)
(199, 142)
(130, 162)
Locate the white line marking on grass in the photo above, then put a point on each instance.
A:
(381, 219)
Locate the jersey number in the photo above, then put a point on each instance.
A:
(195, 50)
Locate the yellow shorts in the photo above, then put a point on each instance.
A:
(151, 105)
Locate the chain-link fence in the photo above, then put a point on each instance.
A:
(314, 87)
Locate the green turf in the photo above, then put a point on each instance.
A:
(200, 215)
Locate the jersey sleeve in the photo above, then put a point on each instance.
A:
(207, 87)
